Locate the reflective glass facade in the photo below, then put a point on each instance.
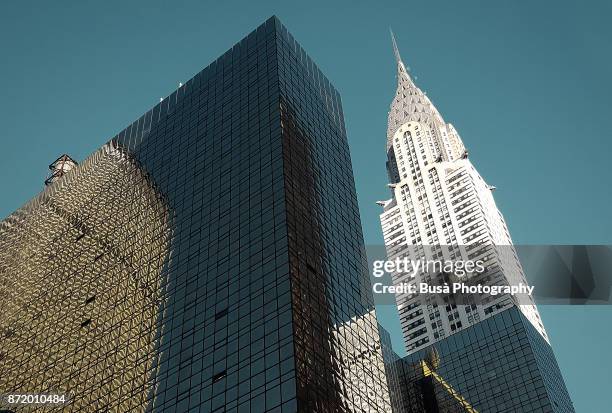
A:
(208, 258)
(501, 364)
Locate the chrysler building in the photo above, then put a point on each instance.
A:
(441, 209)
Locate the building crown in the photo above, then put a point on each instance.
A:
(409, 103)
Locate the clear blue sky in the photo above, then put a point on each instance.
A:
(526, 84)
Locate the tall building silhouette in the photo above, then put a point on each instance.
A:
(469, 353)
(441, 208)
(209, 257)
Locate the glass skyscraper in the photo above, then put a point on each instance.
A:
(501, 364)
(207, 258)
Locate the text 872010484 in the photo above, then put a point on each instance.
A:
(32, 399)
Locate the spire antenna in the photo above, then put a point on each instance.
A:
(396, 52)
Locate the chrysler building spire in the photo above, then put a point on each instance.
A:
(440, 199)
(403, 78)
(410, 103)
(398, 57)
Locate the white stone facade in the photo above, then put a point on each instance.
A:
(440, 199)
